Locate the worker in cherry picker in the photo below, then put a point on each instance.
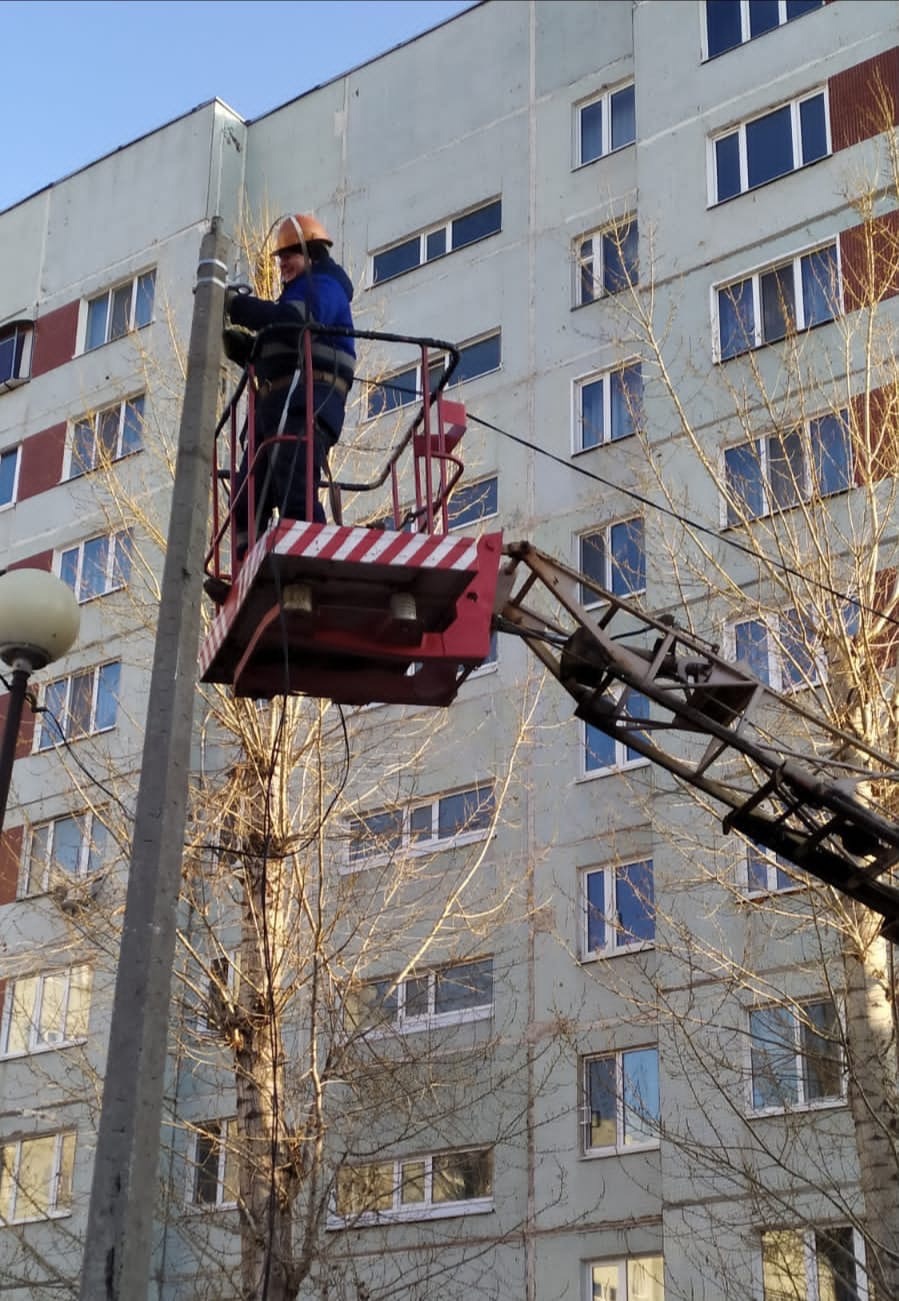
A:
(315, 291)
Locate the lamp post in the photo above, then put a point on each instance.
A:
(39, 620)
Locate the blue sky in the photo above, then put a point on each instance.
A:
(82, 77)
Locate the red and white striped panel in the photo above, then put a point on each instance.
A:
(221, 624)
(378, 546)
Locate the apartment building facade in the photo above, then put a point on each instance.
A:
(617, 1032)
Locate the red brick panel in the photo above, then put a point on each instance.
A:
(884, 639)
(25, 739)
(869, 260)
(43, 560)
(875, 428)
(54, 339)
(42, 456)
(10, 856)
(864, 100)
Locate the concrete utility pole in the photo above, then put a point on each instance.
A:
(118, 1246)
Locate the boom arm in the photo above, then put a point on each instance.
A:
(787, 777)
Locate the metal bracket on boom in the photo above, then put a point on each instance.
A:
(788, 778)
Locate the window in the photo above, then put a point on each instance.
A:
(471, 502)
(15, 353)
(823, 1264)
(729, 23)
(770, 304)
(9, 476)
(119, 310)
(446, 1183)
(97, 566)
(796, 1055)
(767, 872)
(621, 1101)
(619, 908)
(213, 1176)
(639, 1278)
(79, 705)
(613, 558)
(106, 436)
(782, 650)
(604, 753)
(434, 242)
(607, 261)
(36, 1177)
(608, 407)
(454, 818)
(776, 472)
(769, 146)
(45, 1011)
(221, 984)
(71, 846)
(404, 387)
(462, 991)
(605, 124)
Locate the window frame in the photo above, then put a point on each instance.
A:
(136, 404)
(427, 1208)
(7, 452)
(408, 841)
(20, 371)
(753, 278)
(746, 34)
(37, 1037)
(50, 872)
(426, 236)
(398, 991)
(109, 296)
(773, 864)
(118, 559)
(778, 675)
(402, 397)
(607, 435)
(604, 98)
(809, 1246)
(59, 1180)
(807, 484)
(610, 874)
(620, 1147)
(471, 493)
(611, 565)
(625, 1278)
(739, 130)
(796, 1010)
(195, 1169)
(222, 973)
(586, 265)
(64, 717)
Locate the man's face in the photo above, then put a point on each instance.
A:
(291, 263)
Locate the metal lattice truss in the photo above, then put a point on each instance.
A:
(790, 780)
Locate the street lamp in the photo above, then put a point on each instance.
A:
(39, 620)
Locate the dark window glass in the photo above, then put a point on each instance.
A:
(624, 121)
(108, 433)
(637, 707)
(461, 1176)
(593, 564)
(813, 128)
(421, 823)
(723, 27)
(394, 391)
(634, 903)
(394, 261)
(763, 16)
(591, 413)
(379, 833)
(12, 346)
(121, 309)
(68, 836)
(600, 750)
(773, 1055)
(107, 697)
(745, 482)
(588, 289)
(778, 303)
(416, 994)
(8, 463)
(835, 1258)
(625, 400)
(143, 301)
(620, 258)
(591, 132)
(596, 911)
(602, 1102)
(97, 310)
(797, 646)
(472, 502)
(727, 166)
(821, 1060)
(796, 8)
(435, 244)
(736, 319)
(132, 429)
(464, 812)
(820, 285)
(831, 453)
(751, 648)
(769, 146)
(628, 559)
(786, 470)
(206, 1175)
(478, 358)
(469, 984)
(477, 225)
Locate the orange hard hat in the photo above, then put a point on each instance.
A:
(299, 229)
